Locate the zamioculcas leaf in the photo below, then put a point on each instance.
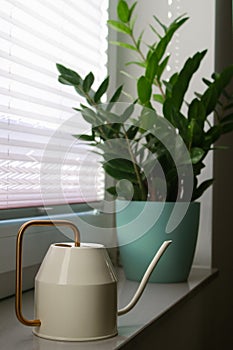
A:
(116, 95)
(120, 27)
(158, 98)
(132, 9)
(198, 167)
(182, 82)
(211, 95)
(88, 81)
(119, 174)
(180, 122)
(84, 137)
(195, 133)
(101, 90)
(148, 119)
(169, 84)
(83, 106)
(201, 189)
(112, 190)
(161, 24)
(170, 31)
(68, 72)
(132, 24)
(162, 66)
(125, 45)
(139, 40)
(107, 116)
(173, 104)
(127, 113)
(224, 78)
(144, 89)
(196, 154)
(197, 111)
(131, 132)
(79, 90)
(89, 115)
(138, 63)
(152, 67)
(174, 116)
(114, 98)
(69, 80)
(121, 164)
(64, 81)
(155, 31)
(209, 99)
(206, 81)
(109, 152)
(123, 11)
(212, 135)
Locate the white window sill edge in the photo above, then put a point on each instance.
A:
(156, 300)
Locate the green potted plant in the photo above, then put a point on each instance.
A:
(155, 154)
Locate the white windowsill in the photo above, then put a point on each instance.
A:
(156, 300)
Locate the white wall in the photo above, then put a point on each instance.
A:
(197, 34)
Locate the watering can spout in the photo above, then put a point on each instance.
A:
(145, 279)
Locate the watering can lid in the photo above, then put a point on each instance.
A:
(82, 245)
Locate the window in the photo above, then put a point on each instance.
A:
(40, 162)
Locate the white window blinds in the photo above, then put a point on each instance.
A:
(40, 162)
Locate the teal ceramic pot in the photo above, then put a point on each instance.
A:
(141, 229)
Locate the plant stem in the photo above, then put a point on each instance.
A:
(134, 164)
(160, 87)
(138, 50)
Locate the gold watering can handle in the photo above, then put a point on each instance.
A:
(19, 244)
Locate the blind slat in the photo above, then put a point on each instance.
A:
(34, 83)
(29, 10)
(92, 54)
(40, 35)
(31, 99)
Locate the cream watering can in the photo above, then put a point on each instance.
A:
(75, 289)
